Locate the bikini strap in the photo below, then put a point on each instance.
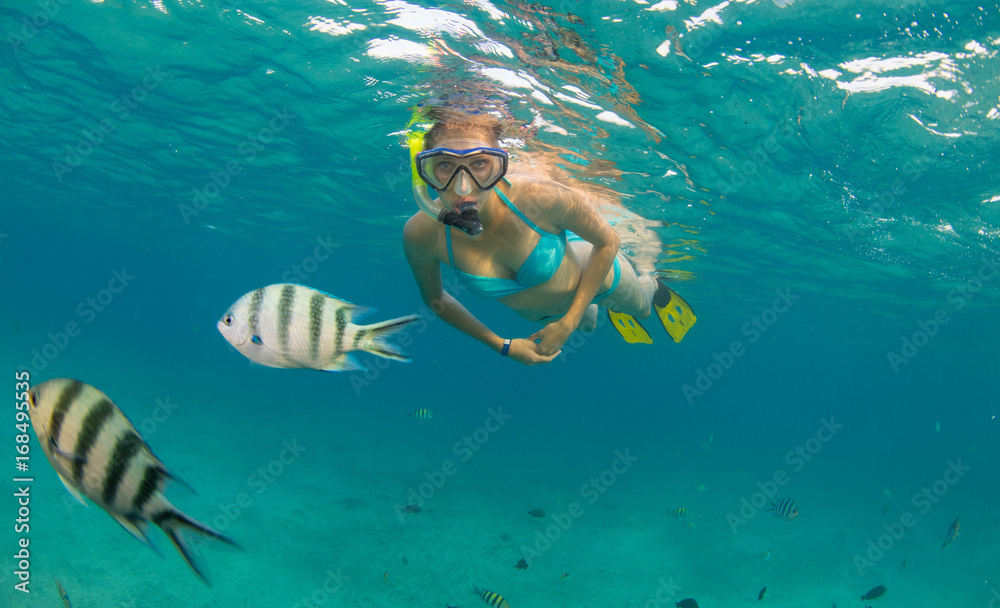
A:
(447, 240)
(510, 205)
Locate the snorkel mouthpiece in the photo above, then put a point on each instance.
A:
(466, 220)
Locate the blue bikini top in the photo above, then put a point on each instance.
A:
(542, 263)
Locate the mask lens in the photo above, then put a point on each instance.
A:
(484, 165)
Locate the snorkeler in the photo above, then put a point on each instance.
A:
(537, 246)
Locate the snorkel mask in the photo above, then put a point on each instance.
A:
(440, 167)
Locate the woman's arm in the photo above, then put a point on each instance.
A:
(417, 243)
(571, 210)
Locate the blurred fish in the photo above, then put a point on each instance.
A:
(492, 599)
(874, 592)
(566, 575)
(411, 509)
(766, 554)
(702, 488)
(785, 509)
(522, 564)
(97, 453)
(952, 533)
(62, 593)
(421, 414)
(688, 603)
(760, 595)
(680, 512)
(294, 326)
(536, 513)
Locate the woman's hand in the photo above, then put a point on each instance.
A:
(550, 339)
(525, 351)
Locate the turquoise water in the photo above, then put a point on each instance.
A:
(820, 175)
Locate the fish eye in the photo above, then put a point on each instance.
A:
(256, 340)
(32, 399)
(228, 319)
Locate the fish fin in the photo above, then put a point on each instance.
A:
(169, 475)
(71, 458)
(132, 525)
(358, 312)
(674, 313)
(72, 489)
(376, 338)
(344, 362)
(174, 524)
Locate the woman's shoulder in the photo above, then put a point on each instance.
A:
(421, 230)
(538, 190)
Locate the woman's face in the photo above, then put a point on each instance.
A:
(463, 189)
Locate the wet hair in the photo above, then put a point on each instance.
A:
(451, 122)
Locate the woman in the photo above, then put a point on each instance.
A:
(522, 255)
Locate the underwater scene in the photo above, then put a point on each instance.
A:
(610, 304)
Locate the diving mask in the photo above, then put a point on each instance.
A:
(440, 167)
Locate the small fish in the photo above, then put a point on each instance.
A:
(702, 488)
(766, 553)
(952, 533)
(885, 511)
(97, 453)
(297, 327)
(62, 593)
(904, 565)
(411, 509)
(874, 592)
(566, 575)
(785, 509)
(760, 595)
(492, 599)
(536, 513)
(385, 577)
(421, 414)
(522, 564)
(680, 512)
(406, 562)
(688, 603)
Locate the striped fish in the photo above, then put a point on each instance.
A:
(97, 453)
(785, 509)
(294, 326)
(493, 599)
(421, 414)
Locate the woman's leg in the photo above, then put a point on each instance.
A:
(634, 293)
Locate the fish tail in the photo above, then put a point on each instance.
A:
(174, 523)
(377, 334)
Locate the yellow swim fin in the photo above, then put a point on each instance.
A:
(675, 314)
(629, 328)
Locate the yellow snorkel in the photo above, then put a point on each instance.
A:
(468, 220)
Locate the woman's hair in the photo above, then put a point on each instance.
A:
(450, 122)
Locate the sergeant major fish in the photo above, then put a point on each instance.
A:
(97, 453)
(294, 326)
(491, 598)
(785, 509)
